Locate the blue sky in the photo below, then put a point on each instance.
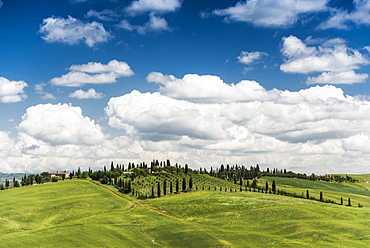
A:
(280, 83)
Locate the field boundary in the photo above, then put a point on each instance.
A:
(131, 203)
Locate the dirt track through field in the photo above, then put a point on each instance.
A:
(11, 222)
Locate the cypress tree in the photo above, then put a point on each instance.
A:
(307, 194)
(240, 182)
(191, 183)
(349, 202)
(186, 169)
(159, 189)
(184, 184)
(273, 187)
(254, 183)
(177, 186)
(267, 186)
(152, 191)
(171, 189)
(164, 187)
(341, 201)
(129, 186)
(321, 196)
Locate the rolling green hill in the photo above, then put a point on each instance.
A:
(79, 213)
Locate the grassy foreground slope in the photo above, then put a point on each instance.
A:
(78, 213)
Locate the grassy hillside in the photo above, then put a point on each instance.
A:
(78, 213)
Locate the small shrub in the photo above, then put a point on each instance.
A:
(55, 179)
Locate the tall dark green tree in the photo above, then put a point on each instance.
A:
(341, 201)
(267, 186)
(177, 186)
(38, 179)
(349, 202)
(273, 187)
(79, 175)
(254, 183)
(164, 187)
(307, 194)
(191, 183)
(186, 169)
(128, 186)
(171, 188)
(321, 196)
(7, 183)
(184, 184)
(159, 189)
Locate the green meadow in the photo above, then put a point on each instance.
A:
(79, 213)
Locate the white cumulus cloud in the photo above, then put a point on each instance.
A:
(271, 13)
(341, 18)
(93, 73)
(12, 91)
(250, 57)
(60, 124)
(334, 59)
(90, 94)
(207, 88)
(71, 31)
(155, 24)
(318, 122)
(343, 77)
(158, 6)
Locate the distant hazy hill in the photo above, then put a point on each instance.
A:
(4, 176)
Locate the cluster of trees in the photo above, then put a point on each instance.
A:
(163, 188)
(163, 166)
(30, 179)
(233, 172)
(291, 174)
(241, 172)
(9, 184)
(128, 179)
